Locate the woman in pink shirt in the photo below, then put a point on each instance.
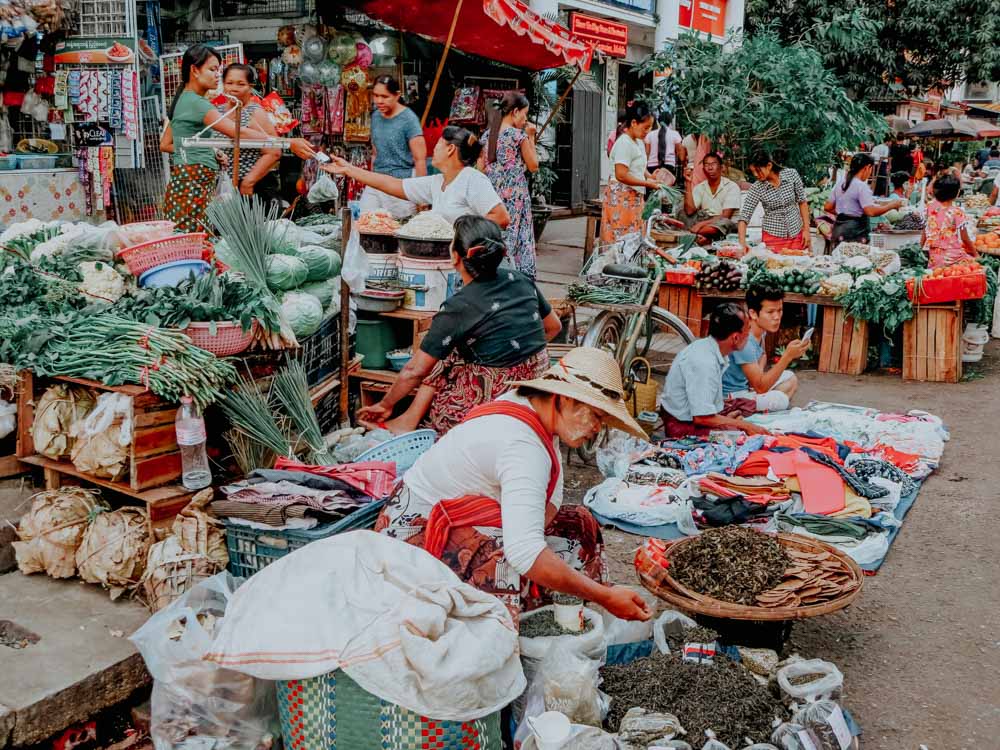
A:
(946, 235)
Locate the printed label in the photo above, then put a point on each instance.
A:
(192, 435)
(699, 653)
(838, 724)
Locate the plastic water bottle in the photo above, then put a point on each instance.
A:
(190, 426)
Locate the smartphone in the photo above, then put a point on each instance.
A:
(808, 334)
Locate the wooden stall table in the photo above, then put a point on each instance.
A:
(843, 342)
(932, 343)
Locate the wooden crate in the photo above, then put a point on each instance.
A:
(844, 345)
(932, 344)
(154, 458)
(686, 303)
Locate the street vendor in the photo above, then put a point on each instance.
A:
(491, 333)
(747, 376)
(626, 190)
(854, 203)
(487, 499)
(458, 190)
(194, 171)
(786, 211)
(946, 235)
(692, 403)
(710, 205)
(399, 147)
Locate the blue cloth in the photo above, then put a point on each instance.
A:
(733, 379)
(391, 137)
(704, 456)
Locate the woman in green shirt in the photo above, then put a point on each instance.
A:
(194, 172)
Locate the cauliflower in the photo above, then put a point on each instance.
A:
(69, 237)
(21, 229)
(101, 280)
(858, 263)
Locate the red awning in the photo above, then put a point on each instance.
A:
(504, 30)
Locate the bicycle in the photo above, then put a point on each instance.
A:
(640, 335)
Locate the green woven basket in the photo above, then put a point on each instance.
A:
(333, 711)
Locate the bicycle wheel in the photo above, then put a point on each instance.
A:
(605, 332)
(666, 336)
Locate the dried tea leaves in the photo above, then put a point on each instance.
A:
(544, 624)
(723, 697)
(732, 563)
(697, 634)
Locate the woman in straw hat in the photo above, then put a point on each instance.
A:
(487, 498)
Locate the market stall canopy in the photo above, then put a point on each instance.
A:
(983, 128)
(944, 128)
(898, 124)
(504, 30)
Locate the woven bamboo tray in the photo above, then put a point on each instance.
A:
(658, 580)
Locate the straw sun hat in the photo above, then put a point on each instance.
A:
(590, 376)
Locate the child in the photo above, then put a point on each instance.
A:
(946, 236)
(901, 186)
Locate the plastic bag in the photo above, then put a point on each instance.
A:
(713, 743)
(104, 437)
(355, 269)
(641, 728)
(323, 190)
(618, 451)
(828, 684)
(786, 736)
(669, 623)
(825, 719)
(581, 738)
(224, 186)
(195, 700)
(8, 418)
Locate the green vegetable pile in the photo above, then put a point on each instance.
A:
(981, 310)
(882, 302)
(796, 281)
(912, 255)
(758, 274)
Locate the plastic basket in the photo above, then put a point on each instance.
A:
(320, 352)
(228, 339)
(332, 710)
(141, 258)
(404, 450)
(137, 233)
(949, 288)
(251, 550)
(328, 410)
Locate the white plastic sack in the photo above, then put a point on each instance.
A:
(642, 505)
(618, 451)
(8, 418)
(355, 269)
(669, 623)
(323, 190)
(829, 685)
(398, 621)
(194, 700)
(224, 186)
(591, 644)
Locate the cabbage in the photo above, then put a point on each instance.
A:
(303, 312)
(285, 272)
(321, 290)
(322, 263)
(894, 216)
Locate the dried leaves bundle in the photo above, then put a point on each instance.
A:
(114, 548)
(732, 563)
(51, 531)
(55, 413)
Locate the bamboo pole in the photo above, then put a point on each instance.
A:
(345, 322)
(559, 103)
(440, 68)
(236, 146)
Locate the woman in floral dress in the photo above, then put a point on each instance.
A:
(510, 155)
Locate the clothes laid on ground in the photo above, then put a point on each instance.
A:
(509, 177)
(469, 193)
(374, 478)
(699, 456)
(641, 504)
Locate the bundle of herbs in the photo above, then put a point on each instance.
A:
(249, 411)
(731, 563)
(882, 302)
(244, 224)
(722, 696)
(292, 391)
(212, 297)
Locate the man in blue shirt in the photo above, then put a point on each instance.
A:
(692, 402)
(747, 376)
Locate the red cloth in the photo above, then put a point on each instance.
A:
(825, 445)
(375, 478)
(477, 510)
(822, 488)
(783, 244)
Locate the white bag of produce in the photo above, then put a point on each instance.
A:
(398, 621)
(196, 703)
(103, 438)
(825, 721)
(59, 408)
(828, 680)
(670, 623)
(8, 418)
(323, 190)
(356, 269)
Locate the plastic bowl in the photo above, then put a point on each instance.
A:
(172, 274)
(398, 361)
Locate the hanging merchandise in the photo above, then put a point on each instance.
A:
(314, 49)
(465, 106)
(336, 103)
(329, 73)
(342, 49)
(280, 115)
(364, 56)
(292, 55)
(286, 36)
(308, 74)
(358, 114)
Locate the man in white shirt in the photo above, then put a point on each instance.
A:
(709, 206)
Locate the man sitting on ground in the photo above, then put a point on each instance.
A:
(747, 377)
(692, 401)
(709, 206)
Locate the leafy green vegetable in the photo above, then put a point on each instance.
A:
(320, 262)
(303, 312)
(321, 290)
(912, 255)
(285, 272)
(882, 302)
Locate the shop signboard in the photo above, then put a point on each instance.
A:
(96, 51)
(91, 134)
(609, 37)
(706, 16)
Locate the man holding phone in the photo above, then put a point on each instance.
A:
(747, 375)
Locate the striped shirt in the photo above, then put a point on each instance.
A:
(782, 217)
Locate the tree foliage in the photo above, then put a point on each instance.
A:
(762, 94)
(877, 47)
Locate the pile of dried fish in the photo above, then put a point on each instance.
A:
(811, 578)
(544, 624)
(697, 634)
(723, 697)
(731, 563)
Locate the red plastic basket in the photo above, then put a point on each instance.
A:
(141, 258)
(949, 288)
(229, 338)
